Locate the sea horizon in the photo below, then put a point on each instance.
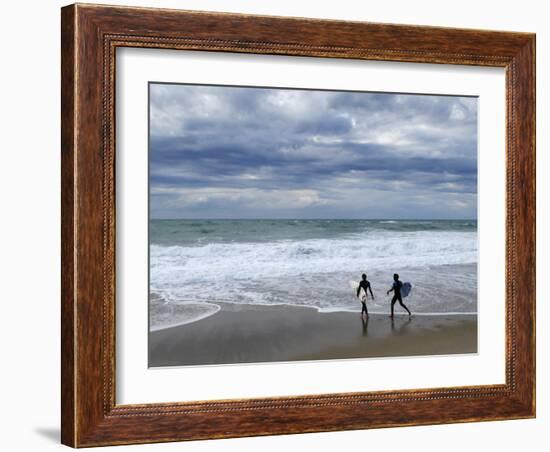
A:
(314, 218)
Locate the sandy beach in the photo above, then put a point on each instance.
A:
(253, 334)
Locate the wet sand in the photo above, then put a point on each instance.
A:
(253, 334)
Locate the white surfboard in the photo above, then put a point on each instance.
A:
(362, 293)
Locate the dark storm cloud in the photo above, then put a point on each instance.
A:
(249, 152)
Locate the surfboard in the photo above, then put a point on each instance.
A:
(406, 289)
(362, 294)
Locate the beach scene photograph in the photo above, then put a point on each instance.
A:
(301, 225)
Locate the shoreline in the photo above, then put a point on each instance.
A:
(229, 307)
(452, 287)
(239, 334)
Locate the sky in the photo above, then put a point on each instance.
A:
(244, 152)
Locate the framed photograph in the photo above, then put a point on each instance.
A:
(281, 225)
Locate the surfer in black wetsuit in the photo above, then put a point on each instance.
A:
(396, 288)
(364, 284)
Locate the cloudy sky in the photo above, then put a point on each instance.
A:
(232, 152)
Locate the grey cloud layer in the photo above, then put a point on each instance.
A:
(228, 152)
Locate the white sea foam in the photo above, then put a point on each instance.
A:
(387, 250)
(168, 315)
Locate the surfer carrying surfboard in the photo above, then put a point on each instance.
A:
(364, 284)
(396, 289)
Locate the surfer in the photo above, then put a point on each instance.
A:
(396, 289)
(364, 284)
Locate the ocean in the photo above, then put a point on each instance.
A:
(196, 265)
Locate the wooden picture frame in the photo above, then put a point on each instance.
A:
(90, 36)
